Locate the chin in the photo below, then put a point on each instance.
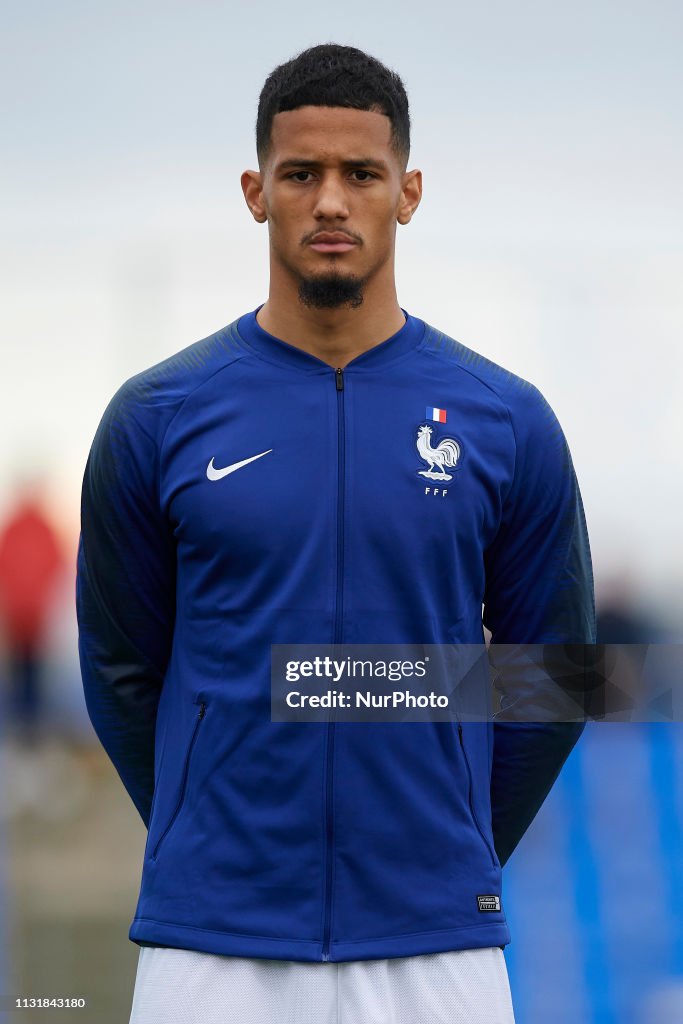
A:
(331, 290)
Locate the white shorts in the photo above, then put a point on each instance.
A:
(182, 986)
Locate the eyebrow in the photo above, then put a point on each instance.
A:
(363, 162)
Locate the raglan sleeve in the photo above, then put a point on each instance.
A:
(539, 590)
(125, 591)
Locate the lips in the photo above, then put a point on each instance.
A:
(332, 241)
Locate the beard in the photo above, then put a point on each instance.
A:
(331, 290)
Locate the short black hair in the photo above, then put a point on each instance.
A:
(330, 75)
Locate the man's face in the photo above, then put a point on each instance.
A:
(332, 190)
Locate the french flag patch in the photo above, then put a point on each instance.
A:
(438, 415)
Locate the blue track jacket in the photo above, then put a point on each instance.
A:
(244, 493)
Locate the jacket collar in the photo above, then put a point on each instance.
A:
(405, 341)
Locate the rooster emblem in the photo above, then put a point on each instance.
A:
(445, 455)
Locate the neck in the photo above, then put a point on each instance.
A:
(336, 336)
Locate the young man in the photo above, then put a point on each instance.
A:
(326, 469)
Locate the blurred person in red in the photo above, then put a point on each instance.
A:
(31, 563)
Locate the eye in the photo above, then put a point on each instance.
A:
(303, 177)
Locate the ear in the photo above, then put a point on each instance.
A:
(411, 194)
(252, 186)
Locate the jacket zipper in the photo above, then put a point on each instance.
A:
(329, 832)
(475, 819)
(183, 786)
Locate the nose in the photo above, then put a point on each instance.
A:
(331, 201)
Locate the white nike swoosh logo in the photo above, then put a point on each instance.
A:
(218, 474)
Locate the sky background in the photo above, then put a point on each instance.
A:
(549, 237)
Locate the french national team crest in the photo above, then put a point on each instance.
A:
(439, 456)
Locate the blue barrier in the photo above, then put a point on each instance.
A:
(594, 894)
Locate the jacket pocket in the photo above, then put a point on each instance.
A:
(487, 843)
(183, 783)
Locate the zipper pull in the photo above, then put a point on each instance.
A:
(202, 711)
(339, 377)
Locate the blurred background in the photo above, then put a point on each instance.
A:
(549, 239)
